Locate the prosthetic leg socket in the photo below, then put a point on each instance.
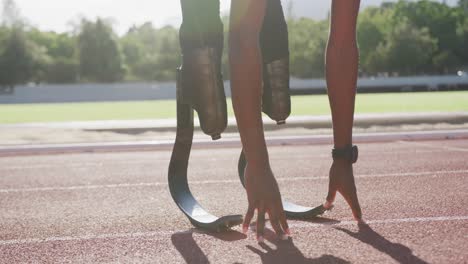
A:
(276, 99)
(203, 88)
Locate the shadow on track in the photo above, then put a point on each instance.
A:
(398, 252)
(287, 252)
(189, 249)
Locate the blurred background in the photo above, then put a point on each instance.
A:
(99, 70)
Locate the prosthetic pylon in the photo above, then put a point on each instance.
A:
(178, 184)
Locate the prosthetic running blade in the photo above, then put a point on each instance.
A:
(291, 210)
(178, 184)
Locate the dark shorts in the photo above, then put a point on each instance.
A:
(202, 27)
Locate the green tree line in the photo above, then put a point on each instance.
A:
(402, 38)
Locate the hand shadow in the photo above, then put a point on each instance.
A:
(287, 252)
(189, 249)
(398, 252)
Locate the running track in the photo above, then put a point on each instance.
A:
(115, 207)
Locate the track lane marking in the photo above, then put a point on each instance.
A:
(83, 187)
(436, 147)
(110, 147)
(153, 184)
(159, 234)
(7, 167)
(74, 165)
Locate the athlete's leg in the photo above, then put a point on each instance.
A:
(341, 74)
(275, 56)
(246, 85)
(201, 25)
(201, 40)
(274, 33)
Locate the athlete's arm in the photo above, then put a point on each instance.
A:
(246, 82)
(341, 73)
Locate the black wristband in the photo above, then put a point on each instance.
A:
(349, 153)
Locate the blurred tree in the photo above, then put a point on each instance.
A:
(17, 58)
(151, 54)
(373, 26)
(307, 42)
(407, 50)
(99, 54)
(463, 4)
(11, 14)
(62, 65)
(21, 60)
(225, 58)
(168, 53)
(462, 31)
(58, 45)
(441, 21)
(405, 37)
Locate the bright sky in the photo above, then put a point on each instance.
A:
(56, 14)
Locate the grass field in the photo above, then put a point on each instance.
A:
(302, 105)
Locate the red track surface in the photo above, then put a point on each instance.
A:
(115, 207)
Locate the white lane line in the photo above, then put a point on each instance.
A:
(404, 174)
(229, 142)
(153, 184)
(435, 146)
(384, 221)
(75, 165)
(161, 234)
(72, 165)
(83, 187)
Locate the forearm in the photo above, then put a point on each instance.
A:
(341, 82)
(246, 82)
(246, 76)
(342, 69)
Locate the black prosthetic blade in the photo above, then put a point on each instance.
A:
(177, 177)
(187, 203)
(292, 210)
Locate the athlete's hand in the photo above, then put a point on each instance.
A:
(342, 181)
(264, 196)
